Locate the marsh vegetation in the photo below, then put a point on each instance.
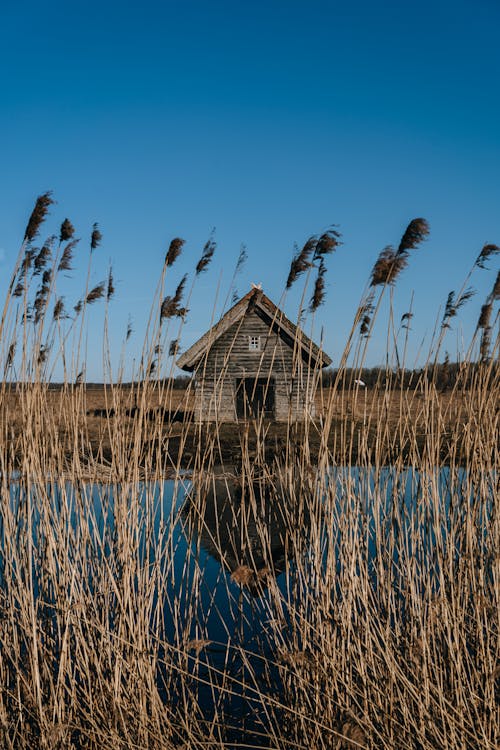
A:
(331, 584)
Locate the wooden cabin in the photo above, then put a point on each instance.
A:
(254, 363)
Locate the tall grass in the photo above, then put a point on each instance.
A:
(328, 584)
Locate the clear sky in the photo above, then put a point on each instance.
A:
(268, 121)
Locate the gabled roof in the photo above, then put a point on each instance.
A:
(255, 301)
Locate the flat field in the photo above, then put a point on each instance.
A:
(390, 424)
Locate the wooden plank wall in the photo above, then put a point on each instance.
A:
(230, 359)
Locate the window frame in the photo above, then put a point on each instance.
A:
(254, 344)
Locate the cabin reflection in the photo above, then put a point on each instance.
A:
(246, 525)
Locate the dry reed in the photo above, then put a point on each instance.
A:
(287, 598)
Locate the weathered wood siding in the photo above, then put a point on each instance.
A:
(229, 359)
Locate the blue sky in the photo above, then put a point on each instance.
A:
(269, 122)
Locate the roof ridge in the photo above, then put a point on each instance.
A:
(189, 359)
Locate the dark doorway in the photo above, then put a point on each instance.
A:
(254, 397)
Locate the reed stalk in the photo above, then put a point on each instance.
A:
(328, 583)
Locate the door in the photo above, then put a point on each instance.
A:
(254, 397)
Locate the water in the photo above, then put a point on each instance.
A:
(209, 563)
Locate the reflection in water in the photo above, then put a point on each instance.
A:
(245, 525)
(246, 529)
(242, 529)
(216, 575)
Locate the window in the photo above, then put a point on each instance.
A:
(254, 343)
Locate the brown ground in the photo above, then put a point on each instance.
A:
(382, 425)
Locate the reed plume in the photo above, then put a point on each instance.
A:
(484, 321)
(40, 302)
(96, 293)
(318, 295)
(168, 308)
(388, 266)
(487, 252)
(67, 256)
(39, 213)
(327, 243)
(58, 309)
(67, 231)
(301, 261)
(314, 249)
(206, 255)
(174, 250)
(453, 305)
(364, 327)
(96, 237)
(170, 305)
(43, 256)
(180, 289)
(27, 261)
(364, 314)
(111, 286)
(450, 309)
(416, 231)
(391, 262)
(242, 259)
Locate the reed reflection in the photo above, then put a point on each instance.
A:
(247, 523)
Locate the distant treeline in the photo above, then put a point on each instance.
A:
(179, 383)
(444, 375)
